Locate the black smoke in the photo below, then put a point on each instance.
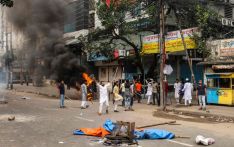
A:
(41, 22)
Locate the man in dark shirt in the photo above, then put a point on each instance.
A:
(61, 93)
(201, 95)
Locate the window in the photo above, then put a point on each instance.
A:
(212, 83)
(224, 83)
(228, 11)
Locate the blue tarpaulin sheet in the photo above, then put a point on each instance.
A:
(154, 134)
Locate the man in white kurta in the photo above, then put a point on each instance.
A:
(188, 88)
(149, 91)
(84, 96)
(103, 97)
(177, 87)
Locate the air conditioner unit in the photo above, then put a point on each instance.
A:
(122, 53)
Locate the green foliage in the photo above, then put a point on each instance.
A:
(8, 3)
(210, 27)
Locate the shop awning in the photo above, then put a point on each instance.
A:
(231, 66)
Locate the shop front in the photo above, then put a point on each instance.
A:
(220, 88)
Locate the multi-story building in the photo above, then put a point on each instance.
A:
(79, 20)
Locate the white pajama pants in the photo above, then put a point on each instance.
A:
(149, 99)
(116, 104)
(101, 106)
(84, 104)
(187, 100)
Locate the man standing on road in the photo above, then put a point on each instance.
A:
(117, 96)
(127, 96)
(103, 97)
(84, 94)
(188, 88)
(155, 93)
(149, 90)
(122, 91)
(61, 88)
(132, 92)
(201, 95)
(177, 86)
(138, 91)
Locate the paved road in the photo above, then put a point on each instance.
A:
(40, 123)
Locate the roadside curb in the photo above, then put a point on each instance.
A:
(207, 115)
(38, 93)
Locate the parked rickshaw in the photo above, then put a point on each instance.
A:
(220, 88)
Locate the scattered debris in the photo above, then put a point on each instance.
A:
(164, 123)
(202, 116)
(61, 142)
(18, 118)
(11, 118)
(3, 100)
(204, 141)
(25, 98)
(182, 137)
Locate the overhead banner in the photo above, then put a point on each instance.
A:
(173, 41)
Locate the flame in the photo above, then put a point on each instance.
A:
(87, 78)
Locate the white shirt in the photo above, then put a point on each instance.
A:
(103, 93)
(177, 87)
(188, 88)
(122, 87)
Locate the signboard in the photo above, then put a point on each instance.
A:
(173, 41)
(227, 48)
(227, 22)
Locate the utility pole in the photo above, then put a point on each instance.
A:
(7, 57)
(11, 54)
(162, 55)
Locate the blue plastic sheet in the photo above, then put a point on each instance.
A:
(109, 125)
(78, 132)
(154, 134)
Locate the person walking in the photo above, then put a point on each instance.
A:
(84, 94)
(188, 88)
(61, 88)
(155, 93)
(132, 93)
(127, 96)
(201, 95)
(177, 87)
(138, 90)
(103, 96)
(149, 91)
(117, 96)
(122, 91)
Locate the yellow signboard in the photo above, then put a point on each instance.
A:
(173, 42)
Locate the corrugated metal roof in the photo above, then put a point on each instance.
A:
(216, 63)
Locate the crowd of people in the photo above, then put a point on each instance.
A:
(125, 92)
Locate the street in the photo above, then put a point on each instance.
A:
(39, 122)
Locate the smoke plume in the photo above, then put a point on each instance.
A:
(41, 22)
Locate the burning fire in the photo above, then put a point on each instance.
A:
(87, 78)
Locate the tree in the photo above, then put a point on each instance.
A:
(8, 3)
(116, 30)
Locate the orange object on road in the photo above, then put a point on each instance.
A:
(98, 132)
